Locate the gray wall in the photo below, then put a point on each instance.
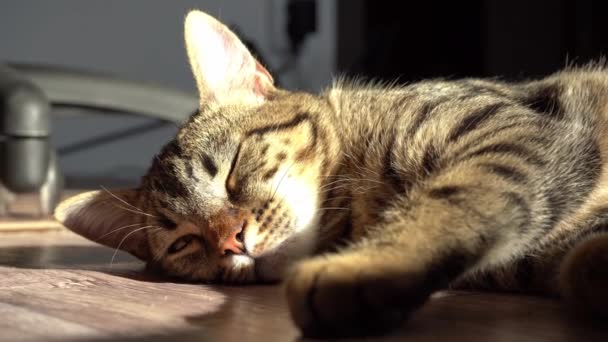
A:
(142, 40)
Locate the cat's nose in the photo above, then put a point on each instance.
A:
(234, 241)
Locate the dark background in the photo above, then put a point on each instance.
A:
(411, 40)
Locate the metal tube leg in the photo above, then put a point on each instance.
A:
(50, 192)
(6, 197)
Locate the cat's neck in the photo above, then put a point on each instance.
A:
(360, 120)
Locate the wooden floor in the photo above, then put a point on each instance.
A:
(55, 285)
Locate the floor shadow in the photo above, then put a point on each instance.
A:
(462, 316)
(79, 257)
(236, 303)
(259, 312)
(250, 313)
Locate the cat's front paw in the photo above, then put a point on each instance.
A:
(349, 296)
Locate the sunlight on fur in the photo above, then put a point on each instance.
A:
(366, 199)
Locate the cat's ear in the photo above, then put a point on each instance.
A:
(106, 218)
(224, 69)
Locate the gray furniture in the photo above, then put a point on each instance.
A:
(28, 93)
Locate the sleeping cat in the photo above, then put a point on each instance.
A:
(366, 199)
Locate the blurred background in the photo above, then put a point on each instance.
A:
(303, 42)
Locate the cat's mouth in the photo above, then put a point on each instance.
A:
(244, 269)
(273, 237)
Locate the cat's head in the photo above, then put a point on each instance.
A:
(235, 196)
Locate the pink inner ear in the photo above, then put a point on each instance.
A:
(224, 69)
(263, 80)
(260, 69)
(242, 71)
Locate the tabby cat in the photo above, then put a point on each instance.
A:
(365, 199)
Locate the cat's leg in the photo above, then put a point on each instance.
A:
(575, 260)
(583, 275)
(462, 219)
(483, 208)
(571, 262)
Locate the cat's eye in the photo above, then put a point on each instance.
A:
(181, 243)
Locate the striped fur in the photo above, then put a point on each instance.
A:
(465, 184)
(398, 191)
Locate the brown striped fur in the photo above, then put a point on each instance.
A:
(398, 191)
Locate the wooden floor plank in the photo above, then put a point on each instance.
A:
(24, 215)
(21, 323)
(110, 304)
(56, 286)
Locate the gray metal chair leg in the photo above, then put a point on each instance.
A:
(50, 192)
(6, 197)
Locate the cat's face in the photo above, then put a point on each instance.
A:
(235, 196)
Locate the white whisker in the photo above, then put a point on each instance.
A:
(159, 255)
(118, 198)
(123, 240)
(135, 211)
(121, 228)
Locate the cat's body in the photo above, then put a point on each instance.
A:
(539, 144)
(401, 191)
